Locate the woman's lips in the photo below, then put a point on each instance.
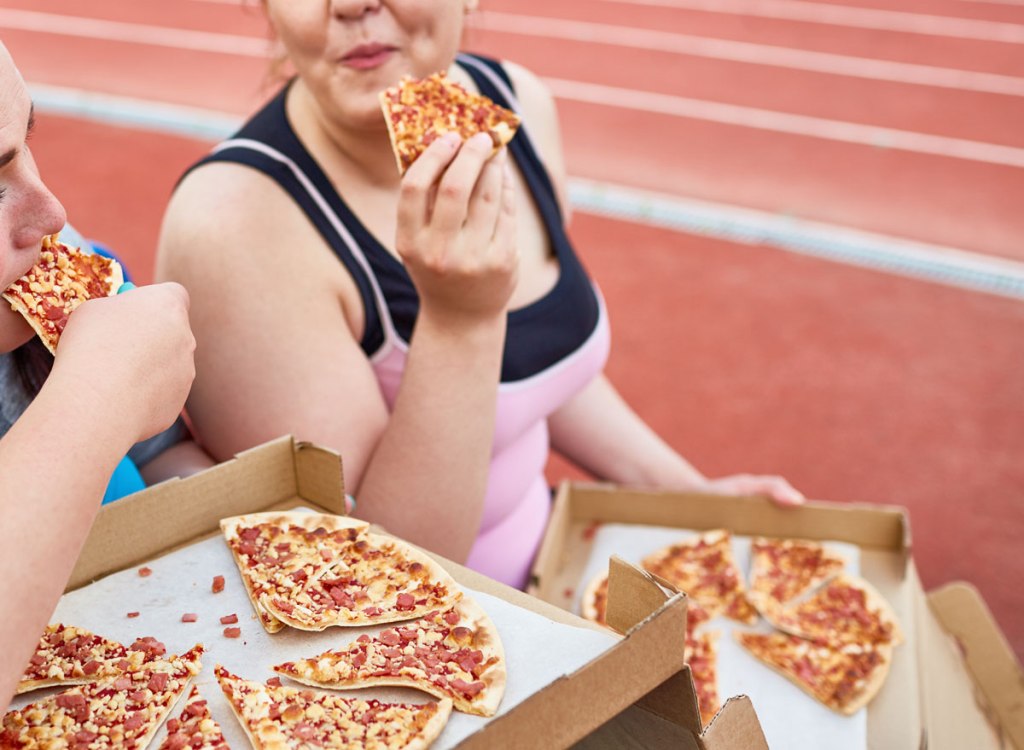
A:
(367, 56)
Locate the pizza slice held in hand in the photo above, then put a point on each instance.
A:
(454, 654)
(63, 279)
(418, 112)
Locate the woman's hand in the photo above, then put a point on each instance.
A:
(133, 353)
(457, 229)
(776, 488)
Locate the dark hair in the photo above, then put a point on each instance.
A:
(33, 362)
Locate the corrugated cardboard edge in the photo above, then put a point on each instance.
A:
(108, 548)
(881, 530)
(963, 614)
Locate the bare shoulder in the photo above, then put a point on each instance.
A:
(540, 115)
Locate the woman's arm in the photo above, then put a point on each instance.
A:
(121, 374)
(277, 353)
(598, 429)
(600, 432)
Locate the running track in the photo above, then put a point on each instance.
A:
(898, 118)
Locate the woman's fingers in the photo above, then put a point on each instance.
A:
(486, 201)
(451, 204)
(418, 185)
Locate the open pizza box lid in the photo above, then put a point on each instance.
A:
(635, 694)
(933, 696)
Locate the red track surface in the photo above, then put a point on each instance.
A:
(857, 385)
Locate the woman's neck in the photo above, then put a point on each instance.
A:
(339, 148)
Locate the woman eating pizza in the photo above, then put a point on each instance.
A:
(436, 327)
(120, 376)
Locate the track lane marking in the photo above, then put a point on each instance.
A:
(783, 122)
(851, 16)
(747, 52)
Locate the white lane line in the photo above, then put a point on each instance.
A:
(134, 33)
(746, 52)
(782, 122)
(721, 49)
(919, 260)
(945, 265)
(845, 15)
(605, 96)
(552, 28)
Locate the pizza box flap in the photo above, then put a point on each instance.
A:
(285, 474)
(258, 479)
(974, 685)
(881, 532)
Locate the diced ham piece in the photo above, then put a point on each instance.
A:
(133, 614)
(189, 617)
(218, 584)
(229, 619)
(232, 632)
(144, 572)
(405, 602)
(158, 681)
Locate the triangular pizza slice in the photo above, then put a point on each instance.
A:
(194, 728)
(419, 111)
(62, 279)
(454, 654)
(125, 711)
(68, 655)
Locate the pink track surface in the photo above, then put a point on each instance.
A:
(858, 386)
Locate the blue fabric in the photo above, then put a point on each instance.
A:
(125, 480)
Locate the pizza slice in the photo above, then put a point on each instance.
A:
(194, 727)
(278, 717)
(846, 610)
(844, 677)
(67, 655)
(62, 279)
(454, 654)
(277, 553)
(701, 655)
(783, 569)
(123, 711)
(705, 569)
(417, 112)
(374, 580)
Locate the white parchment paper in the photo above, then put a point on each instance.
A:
(791, 719)
(537, 650)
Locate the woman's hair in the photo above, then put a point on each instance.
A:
(33, 363)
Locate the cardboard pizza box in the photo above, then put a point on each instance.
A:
(635, 694)
(954, 684)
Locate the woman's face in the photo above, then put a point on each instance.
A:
(348, 51)
(28, 211)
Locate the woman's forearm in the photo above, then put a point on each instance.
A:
(55, 463)
(427, 476)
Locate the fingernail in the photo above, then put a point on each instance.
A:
(483, 139)
(451, 139)
(126, 287)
